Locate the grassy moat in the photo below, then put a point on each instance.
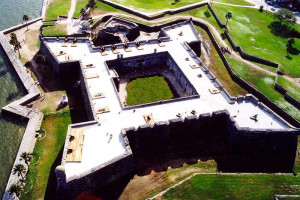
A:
(148, 89)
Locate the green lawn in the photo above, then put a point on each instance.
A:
(249, 29)
(148, 89)
(294, 90)
(48, 150)
(79, 4)
(236, 2)
(154, 5)
(57, 7)
(102, 8)
(231, 187)
(58, 29)
(265, 84)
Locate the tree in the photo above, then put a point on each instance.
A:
(40, 59)
(19, 169)
(27, 157)
(16, 189)
(17, 47)
(91, 4)
(285, 16)
(25, 18)
(13, 39)
(82, 11)
(228, 16)
(289, 47)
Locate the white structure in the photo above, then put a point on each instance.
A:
(103, 141)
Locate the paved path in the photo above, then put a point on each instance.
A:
(69, 21)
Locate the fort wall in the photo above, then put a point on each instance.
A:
(217, 137)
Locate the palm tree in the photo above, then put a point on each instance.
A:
(25, 18)
(27, 157)
(19, 169)
(17, 47)
(13, 39)
(228, 16)
(17, 189)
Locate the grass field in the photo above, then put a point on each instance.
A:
(152, 5)
(102, 8)
(58, 29)
(264, 83)
(236, 2)
(148, 89)
(57, 7)
(79, 4)
(143, 187)
(249, 29)
(294, 90)
(48, 150)
(231, 187)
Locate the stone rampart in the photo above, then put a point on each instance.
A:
(217, 137)
(105, 173)
(17, 107)
(17, 27)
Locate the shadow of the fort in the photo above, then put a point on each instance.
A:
(52, 182)
(232, 153)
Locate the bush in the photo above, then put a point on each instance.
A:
(40, 59)
(28, 64)
(207, 14)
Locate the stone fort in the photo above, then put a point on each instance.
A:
(202, 121)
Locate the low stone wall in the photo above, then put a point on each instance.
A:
(16, 107)
(153, 15)
(216, 17)
(17, 27)
(247, 56)
(287, 97)
(235, 149)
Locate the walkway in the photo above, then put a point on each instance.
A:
(69, 21)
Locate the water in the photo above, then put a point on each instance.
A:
(12, 11)
(11, 127)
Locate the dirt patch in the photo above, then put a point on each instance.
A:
(142, 187)
(29, 39)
